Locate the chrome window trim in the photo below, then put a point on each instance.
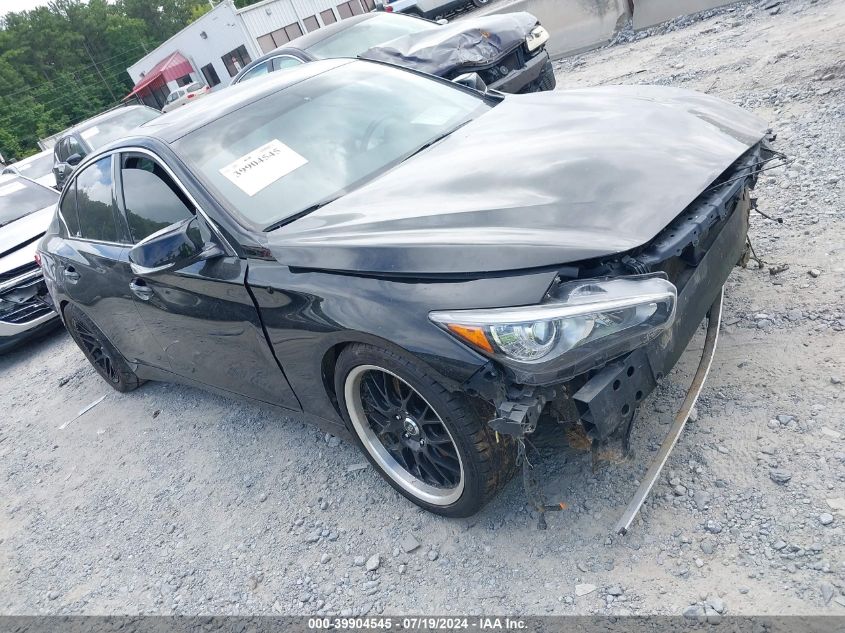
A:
(142, 150)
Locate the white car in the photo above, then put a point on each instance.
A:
(427, 8)
(38, 167)
(185, 95)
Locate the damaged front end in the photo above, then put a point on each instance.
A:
(676, 279)
(507, 51)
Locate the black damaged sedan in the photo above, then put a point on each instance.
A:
(433, 268)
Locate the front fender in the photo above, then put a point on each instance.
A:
(307, 314)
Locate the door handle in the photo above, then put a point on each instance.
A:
(71, 276)
(141, 289)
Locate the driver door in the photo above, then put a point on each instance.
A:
(199, 310)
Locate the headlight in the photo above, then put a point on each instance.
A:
(536, 38)
(582, 322)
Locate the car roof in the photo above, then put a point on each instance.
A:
(34, 157)
(302, 42)
(105, 116)
(177, 123)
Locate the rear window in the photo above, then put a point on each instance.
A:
(19, 197)
(364, 35)
(108, 130)
(34, 168)
(194, 87)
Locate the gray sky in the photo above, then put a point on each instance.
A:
(19, 5)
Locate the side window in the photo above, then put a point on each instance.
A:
(285, 62)
(151, 198)
(94, 202)
(61, 150)
(257, 71)
(68, 211)
(74, 147)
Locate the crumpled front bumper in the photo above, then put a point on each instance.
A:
(608, 398)
(25, 311)
(517, 80)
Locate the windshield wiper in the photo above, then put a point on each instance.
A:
(304, 212)
(435, 140)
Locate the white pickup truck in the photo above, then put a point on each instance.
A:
(427, 8)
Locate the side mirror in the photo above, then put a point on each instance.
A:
(174, 247)
(471, 80)
(74, 159)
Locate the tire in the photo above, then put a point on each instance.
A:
(99, 351)
(450, 428)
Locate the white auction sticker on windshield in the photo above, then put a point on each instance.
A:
(10, 189)
(263, 166)
(90, 133)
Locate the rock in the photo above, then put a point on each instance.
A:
(827, 592)
(263, 497)
(325, 558)
(409, 543)
(695, 612)
(356, 467)
(707, 547)
(615, 591)
(714, 527)
(814, 273)
(583, 590)
(778, 545)
(312, 537)
(701, 499)
(372, 563)
(713, 616)
(716, 603)
(835, 380)
(779, 476)
(825, 518)
(836, 435)
(743, 589)
(679, 490)
(693, 415)
(324, 505)
(433, 555)
(52, 595)
(359, 561)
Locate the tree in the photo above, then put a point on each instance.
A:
(66, 62)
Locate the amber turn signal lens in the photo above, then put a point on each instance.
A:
(471, 334)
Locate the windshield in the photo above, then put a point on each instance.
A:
(34, 167)
(108, 130)
(364, 35)
(20, 197)
(318, 139)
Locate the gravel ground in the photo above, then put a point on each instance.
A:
(171, 500)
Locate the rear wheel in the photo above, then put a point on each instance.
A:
(429, 444)
(99, 351)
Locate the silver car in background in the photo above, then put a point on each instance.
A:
(184, 96)
(26, 210)
(38, 167)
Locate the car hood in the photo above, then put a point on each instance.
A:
(541, 179)
(19, 239)
(465, 44)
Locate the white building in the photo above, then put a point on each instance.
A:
(215, 47)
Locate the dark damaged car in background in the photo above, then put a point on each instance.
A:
(26, 210)
(507, 52)
(430, 267)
